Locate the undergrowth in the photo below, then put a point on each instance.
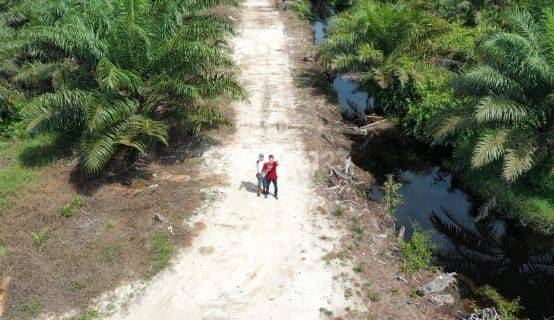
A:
(162, 251)
(417, 254)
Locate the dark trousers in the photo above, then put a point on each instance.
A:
(266, 187)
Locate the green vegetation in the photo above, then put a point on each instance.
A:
(112, 252)
(417, 254)
(302, 8)
(3, 250)
(338, 211)
(488, 296)
(89, 314)
(374, 296)
(326, 312)
(69, 209)
(32, 308)
(474, 75)
(162, 250)
(113, 76)
(392, 197)
(41, 236)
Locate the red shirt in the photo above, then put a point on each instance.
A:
(271, 170)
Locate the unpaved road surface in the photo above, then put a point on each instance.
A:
(257, 258)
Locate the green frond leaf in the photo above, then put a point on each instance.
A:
(493, 108)
(489, 148)
(518, 161)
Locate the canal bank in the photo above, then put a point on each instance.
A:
(489, 250)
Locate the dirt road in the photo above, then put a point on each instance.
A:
(257, 258)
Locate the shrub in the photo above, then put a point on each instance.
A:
(302, 9)
(417, 254)
(41, 236)
(69, 209)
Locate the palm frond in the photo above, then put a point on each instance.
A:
(490, 147)
(518, 160)
(493, 108)
(115, 79)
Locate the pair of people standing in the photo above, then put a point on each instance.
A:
(266, 174)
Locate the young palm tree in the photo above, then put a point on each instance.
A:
(513, 94)
(381, 42)
(116, 74)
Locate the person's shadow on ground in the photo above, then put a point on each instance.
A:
(248, 186)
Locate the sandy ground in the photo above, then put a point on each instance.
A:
(257, 258)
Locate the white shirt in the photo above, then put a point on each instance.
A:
(259, 166)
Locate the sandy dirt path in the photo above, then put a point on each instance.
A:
(257, 258)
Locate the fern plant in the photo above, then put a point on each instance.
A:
(118, 74)
(512, 90)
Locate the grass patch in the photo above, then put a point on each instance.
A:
(359, 268)
(162, 251)
(489, 297)
(89, 314)
(374, 296)
(69, 209)
(338, 211)
(41, 236)
(417, 254)
(20, 159)
(326, 312)
(358, 226)
(319, 178)
(301, 8)
(3, 250)
(109, 224)
(32, 308)
(112, 252)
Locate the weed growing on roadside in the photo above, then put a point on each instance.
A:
(109, 224)
(359, 268)
(319, 178)
(162, 251)
(357, 226)
(41, 236)
(32, 308)
(112, 253)
(69, 209)
(374, 296)
(3, 250)
(417, 254)
(89, 314)
(338, 211)
(302, 9)
(326, 312)
(392, 198)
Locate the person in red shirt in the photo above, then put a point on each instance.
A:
(270, 171)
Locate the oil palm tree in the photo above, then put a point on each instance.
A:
(512, 98)
(382, 43)
(117, 74)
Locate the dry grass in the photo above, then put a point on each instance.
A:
(60, 261)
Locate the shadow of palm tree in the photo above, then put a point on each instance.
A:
(517, 264)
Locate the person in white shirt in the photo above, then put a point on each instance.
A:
(260, 175)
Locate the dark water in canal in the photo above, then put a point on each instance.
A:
(487, 251)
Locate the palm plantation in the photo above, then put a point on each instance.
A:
(511, 92)
(116, 75)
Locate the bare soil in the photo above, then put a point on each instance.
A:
(105, 243)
